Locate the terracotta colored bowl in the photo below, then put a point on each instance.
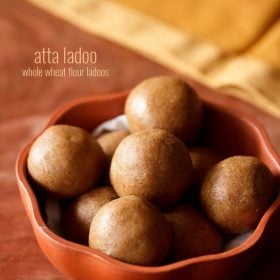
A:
(227, 131)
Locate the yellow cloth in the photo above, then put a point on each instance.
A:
(267, 47)
(233, 24)
(232, 45)
(246, 32)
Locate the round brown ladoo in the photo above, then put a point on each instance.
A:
(236, 192)
(110, 141)
(193, 235)
(167, 103)
(65, 160)
(202, 160)
(132, 230)
(79, 214)
(152, 164)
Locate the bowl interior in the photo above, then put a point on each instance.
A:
(226, 130)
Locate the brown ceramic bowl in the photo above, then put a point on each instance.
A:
(228, 131)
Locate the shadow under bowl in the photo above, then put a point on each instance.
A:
(227, 131)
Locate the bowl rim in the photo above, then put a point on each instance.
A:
(38, 222)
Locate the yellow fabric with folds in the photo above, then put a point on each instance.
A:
(232, 24)
(267, 47)
(246, 31)
(233, 45)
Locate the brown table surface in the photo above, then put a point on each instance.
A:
(25, 104)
